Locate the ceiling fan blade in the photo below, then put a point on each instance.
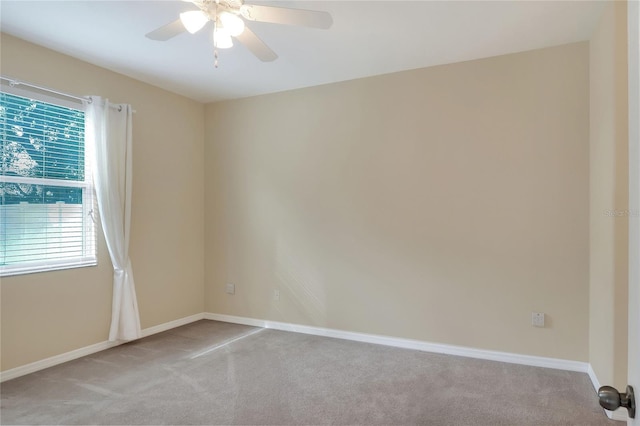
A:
(256, 46)
(167, 31)
(281, 15)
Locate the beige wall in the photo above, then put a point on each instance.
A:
(609, 197)
(442, 204)
(51, 313)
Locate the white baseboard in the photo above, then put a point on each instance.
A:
(594, 379)
(55, 360)
(536, 361)
(620, 414)
(88, 350)
(171, 324)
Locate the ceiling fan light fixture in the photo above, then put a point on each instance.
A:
(222, 38)
(245, 10)
(233, 23)
(193, 20)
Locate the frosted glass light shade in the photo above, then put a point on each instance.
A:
(233, 23)
(222, 38)
(193, 20)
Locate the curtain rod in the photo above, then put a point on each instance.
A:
(14, 82)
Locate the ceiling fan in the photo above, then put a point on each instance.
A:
(228, 17)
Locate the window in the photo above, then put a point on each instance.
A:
(46, 194)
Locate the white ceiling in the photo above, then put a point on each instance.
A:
(367, 38)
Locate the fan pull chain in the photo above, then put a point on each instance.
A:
(215, 42)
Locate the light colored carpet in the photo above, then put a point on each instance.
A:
(211, 372)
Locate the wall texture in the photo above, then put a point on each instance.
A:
(609, 198)
(442, 204)
(41, 313)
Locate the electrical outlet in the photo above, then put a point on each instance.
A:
(537, 319)
(276, 294)
(231, 288)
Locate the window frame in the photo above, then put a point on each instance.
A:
(89, 206)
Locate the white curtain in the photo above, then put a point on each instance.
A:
(108, 133)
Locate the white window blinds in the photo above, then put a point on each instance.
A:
(46, 195)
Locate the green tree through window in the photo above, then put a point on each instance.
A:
(45, 194)
(40, 140)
